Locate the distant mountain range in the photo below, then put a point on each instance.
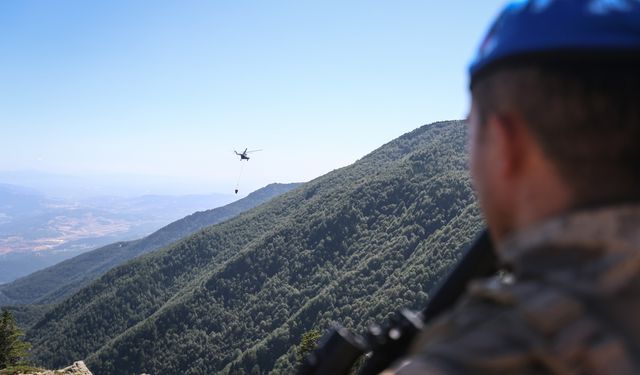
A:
(87, 185)
(351, 246)
(37, 230)
(56, 282)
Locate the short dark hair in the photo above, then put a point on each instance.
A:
(586, 118)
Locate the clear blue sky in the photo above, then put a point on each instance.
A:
(170, 88)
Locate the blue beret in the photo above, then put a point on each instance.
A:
(529, 28)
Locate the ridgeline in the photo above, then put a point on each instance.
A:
(352, 246)
(53, 284)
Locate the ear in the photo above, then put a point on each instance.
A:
(510, 140)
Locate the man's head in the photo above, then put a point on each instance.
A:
(554, 129)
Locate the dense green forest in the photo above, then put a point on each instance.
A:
(352, 246)
(59, 281)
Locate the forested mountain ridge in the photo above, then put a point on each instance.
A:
(59, 281)
(353, 246)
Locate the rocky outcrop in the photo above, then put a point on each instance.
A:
(77, 368)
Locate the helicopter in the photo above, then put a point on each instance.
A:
(243, 155)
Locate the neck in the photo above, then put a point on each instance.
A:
(543, 195)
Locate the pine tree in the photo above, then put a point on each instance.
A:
(13, 350)
(308, 343)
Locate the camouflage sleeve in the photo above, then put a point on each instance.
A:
(481, 335)
(515, 329)
(475, 340)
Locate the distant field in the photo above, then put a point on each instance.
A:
(69, 230)
(37, 231)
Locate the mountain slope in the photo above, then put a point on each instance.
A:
(353, 245)
(56, 282)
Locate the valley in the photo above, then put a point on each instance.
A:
(37, 230)
(352, 246)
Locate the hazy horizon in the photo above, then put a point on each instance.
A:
(122, 185)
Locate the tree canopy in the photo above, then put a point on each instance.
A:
(13, 350)
(352, 246)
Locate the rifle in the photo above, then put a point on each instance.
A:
(339, 350)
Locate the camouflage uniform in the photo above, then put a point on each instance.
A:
(569, 307)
